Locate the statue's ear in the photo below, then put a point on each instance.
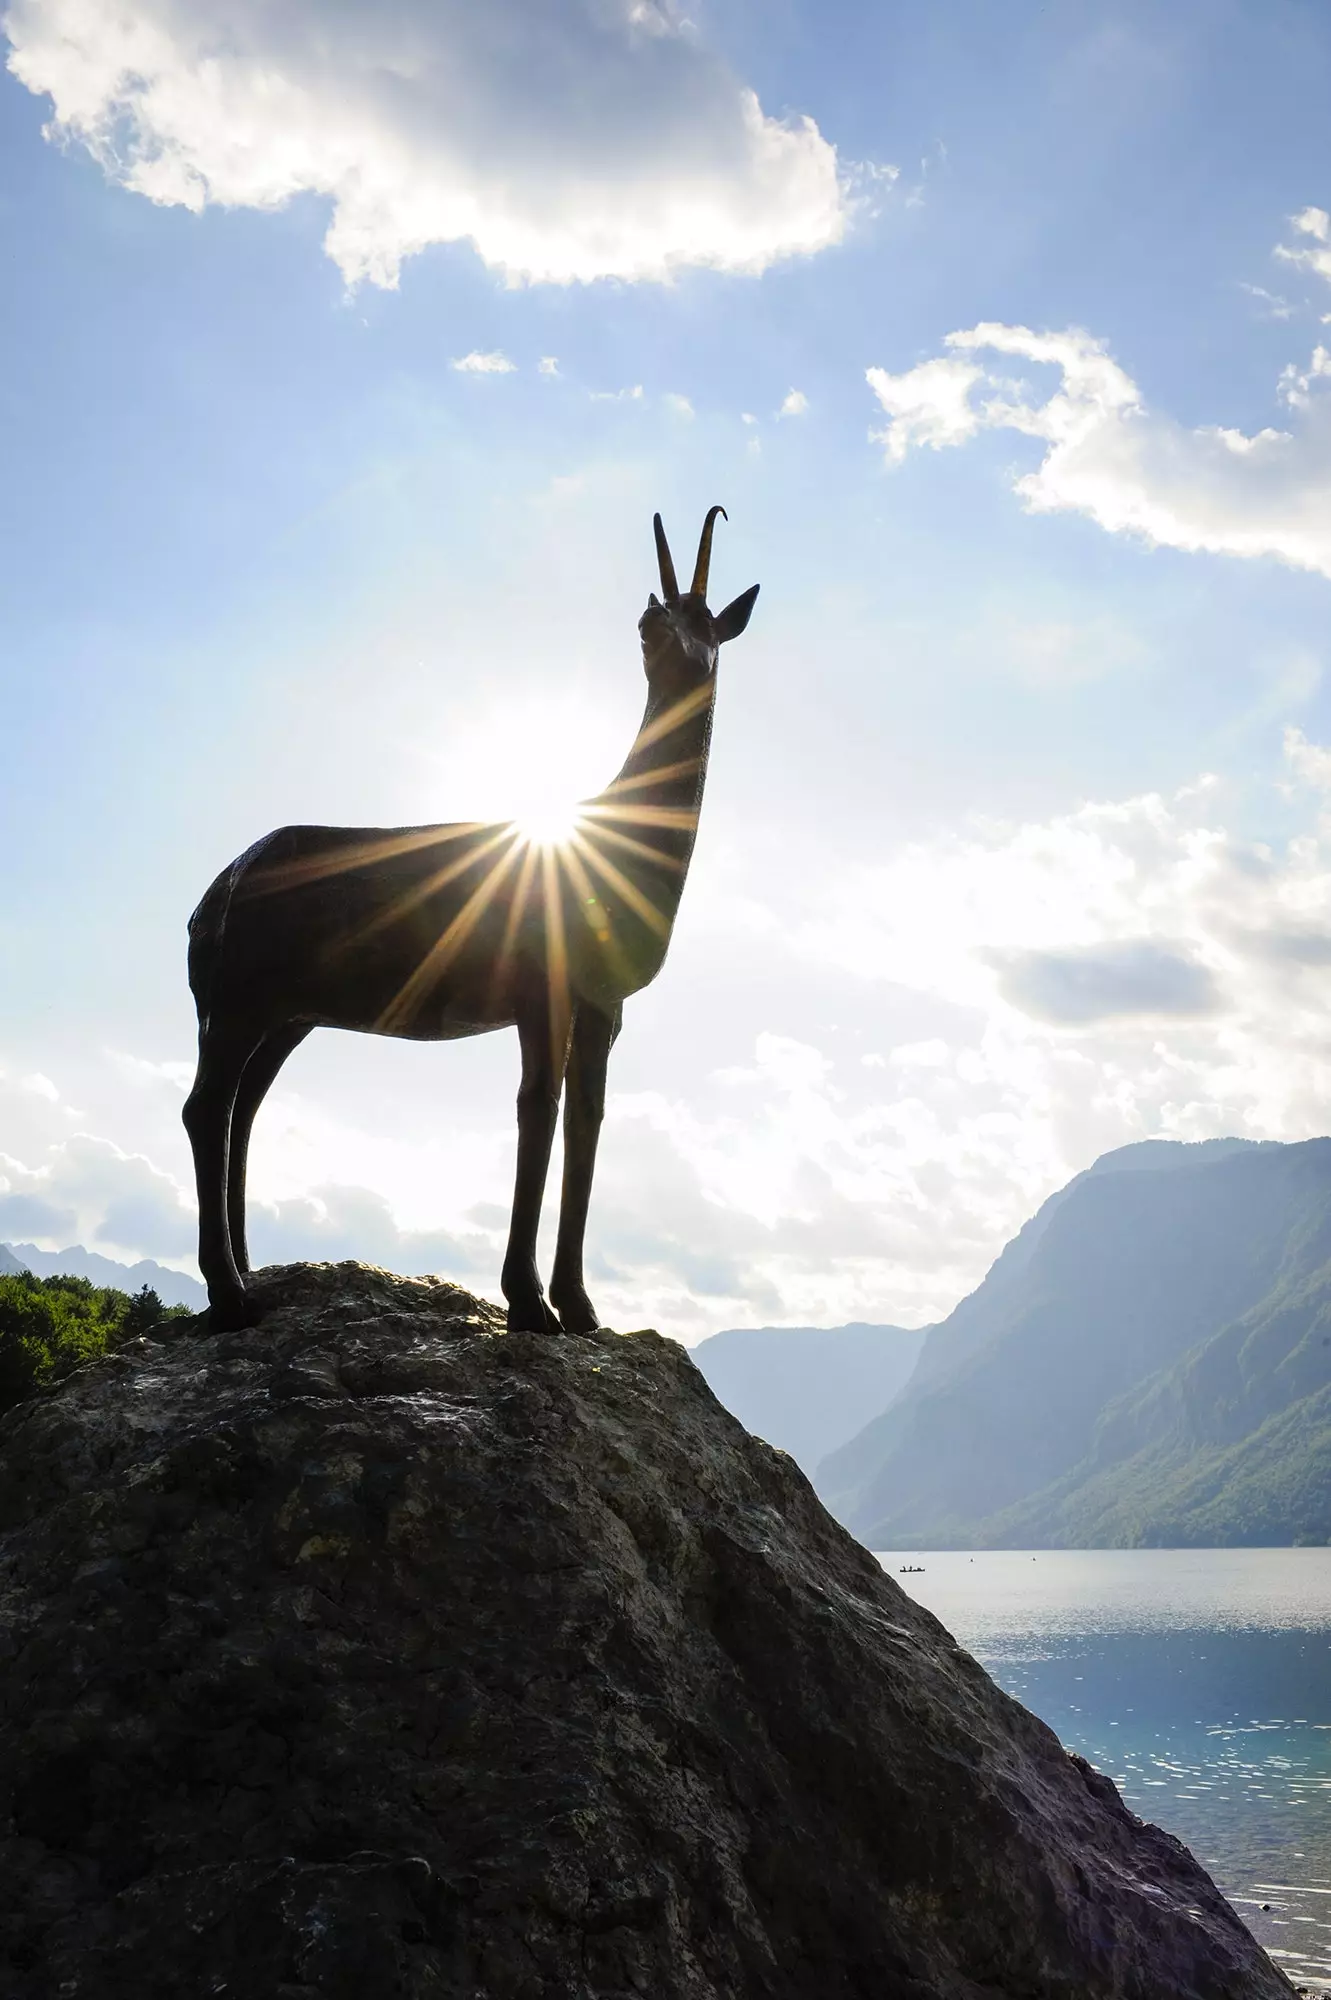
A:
(731, 622)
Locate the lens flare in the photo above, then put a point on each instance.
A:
(549, 824)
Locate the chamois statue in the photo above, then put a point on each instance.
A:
(435, 932)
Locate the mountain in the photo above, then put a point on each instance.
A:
(172, 1287)
(378, 1652)
(806, 1388)
(1149, 1361)
(1230, 1446)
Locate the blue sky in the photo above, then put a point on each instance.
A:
(1014, 843)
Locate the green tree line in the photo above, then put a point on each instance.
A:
(51, 1326)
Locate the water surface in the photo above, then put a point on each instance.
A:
(1199, 1679)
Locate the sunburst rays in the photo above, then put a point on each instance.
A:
(368, 849)
(567, 893)
(609, 867)
(441, 955)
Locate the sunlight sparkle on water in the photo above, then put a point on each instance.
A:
(1198, 1680)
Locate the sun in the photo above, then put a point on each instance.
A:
(527, 762)
(548, 823)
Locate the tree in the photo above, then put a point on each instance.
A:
(51, 1326)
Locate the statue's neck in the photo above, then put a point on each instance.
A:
(657, 795)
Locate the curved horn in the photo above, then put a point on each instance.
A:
(669, 587)
(699, 585)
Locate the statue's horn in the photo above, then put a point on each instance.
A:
(704, 562)
(669, 587)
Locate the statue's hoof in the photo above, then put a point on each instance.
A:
(230, 1311)
(584, 1323)
(537, 1319)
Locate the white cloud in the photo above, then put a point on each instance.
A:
(547, 365)
(795, 404)
(332, 1222)
(476, 363)
(1276, 307)
(1298, 385)
(1309, 762)
(1109, 456)
(139, 1070)
(603, 138)
(929, 404)
(680, 405)
(870, 182)
(932, 1054)
(633, 395)
(1131, 969)
(88, 1189)
(1102, 928)
(1128, 970)
(1314, 254)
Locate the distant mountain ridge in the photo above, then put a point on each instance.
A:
(174, 1288)
(1149, 1361)
(806, 1389)
(968, 1324)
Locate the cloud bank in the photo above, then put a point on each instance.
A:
(1132, 976)
(86, 1188)
(1109, 456)
(1010, 1001)
(954, 1029)
(599, 138)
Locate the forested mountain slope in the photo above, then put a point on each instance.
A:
(1148, 1361)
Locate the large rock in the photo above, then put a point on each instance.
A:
(376, 1652)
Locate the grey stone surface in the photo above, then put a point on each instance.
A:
(375, 1652)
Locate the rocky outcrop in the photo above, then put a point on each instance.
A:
(376, 1652)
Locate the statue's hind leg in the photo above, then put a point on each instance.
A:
(256, 1081)
(543, 1030)
(223, 1053)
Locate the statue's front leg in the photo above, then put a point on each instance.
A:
(538, 1108)
(584, 1109)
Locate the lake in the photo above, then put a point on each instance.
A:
(1199, 1679)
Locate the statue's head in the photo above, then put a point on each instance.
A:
(680, 636)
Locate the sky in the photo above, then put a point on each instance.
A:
(345, 354)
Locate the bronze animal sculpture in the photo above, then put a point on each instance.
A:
(436, 932)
